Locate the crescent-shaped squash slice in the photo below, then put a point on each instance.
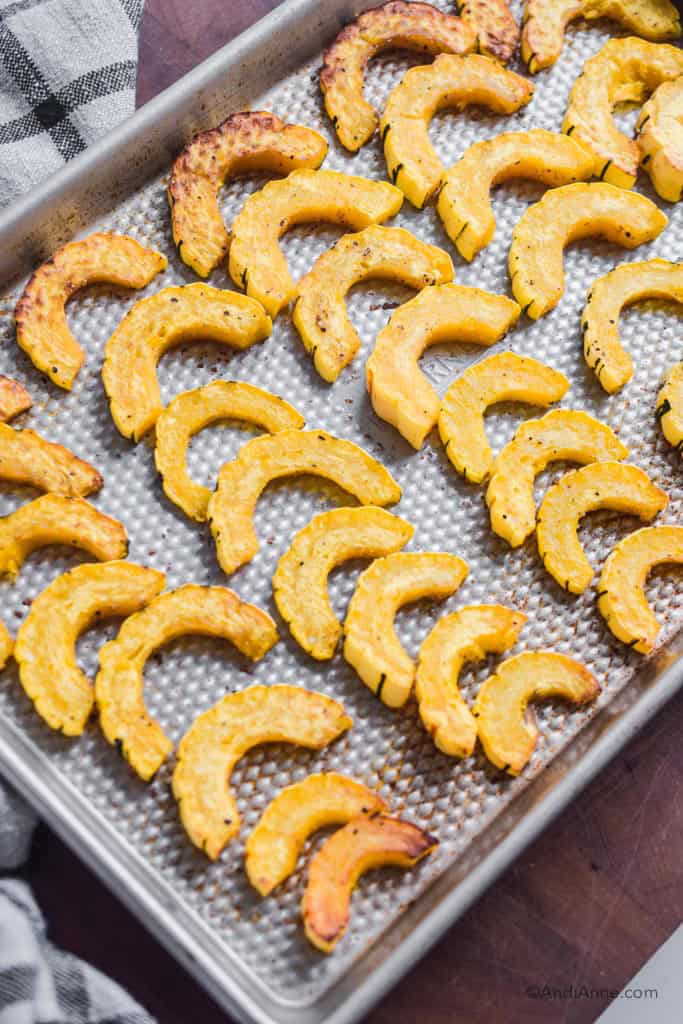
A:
(464, 203)
(503, 377)
(6, 645)
(506, 728)
(257, 262)
(27, 458)
(623, 71)
(14, 399)
(192, 312)
(201, 611)
(42, 329)
(248, 141)
(298, 811)
(495, 25)
(399, 391)
(568, 214)
(451, 81)
(412, 26)
(470, 634)
(561, 434)
(545, 21)
(370, 641)
(320, 314)
(670, 406)
(216, 741)
(600, 485)
(300, 582)
(194, 410)
(660, 137)
(626, 284)
(46, 644)
(621, 591)
(288, 453)
(365, 843)
(53, 519)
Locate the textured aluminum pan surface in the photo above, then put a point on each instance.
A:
(252, 952)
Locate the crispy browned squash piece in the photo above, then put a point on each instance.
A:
(495, 25)
(670, 406)
(6, 645)
(27, 458)
(14, 399)
(660, 137)
(365, 843)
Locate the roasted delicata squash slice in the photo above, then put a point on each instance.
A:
(42, 329)
(621, 591)
(451, 81)
(495, 25)
(503, 377)
(276, 843)
(300, 582)
(412, 26)
(27, 458)
(191, 312)
(623, 71)
(561, 434)
(600, 485)
(14, 399)
(288, 453)
(626, 284)
(545, 21)
(365, 843)
(320, 314)
(46, 644)
(399, 391)
(470, 634)
(257, 262)
(249, 141)
(217, 740)
(506, 728)
(202, 611)
(6, 645)
(370, 641)
(660, 137)
(191, 412)
(670, 406)
(464, 203)
(568, 214)
(54, 519)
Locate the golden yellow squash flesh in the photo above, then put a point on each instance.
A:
(6, 645)
(257, 263)
(318, 801)
(660, 137)
(495, 25)
(621, 591)
(14, 399)
(507, 730)
(371, 645)
(27, 458)
(288, 453)
(248, 141)
(568, 214)
(191, 412)
(190, 610)
(502, 377)
(400, 392)
(42, 329)
(45, 649)
(464, 203)
(320, 314)
(670, 406)
(470, 634)
(450, 82)
(217, 739)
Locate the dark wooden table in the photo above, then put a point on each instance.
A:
(586, 905)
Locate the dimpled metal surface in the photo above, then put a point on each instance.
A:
(388, 750)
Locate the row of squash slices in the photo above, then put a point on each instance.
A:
(400, 394)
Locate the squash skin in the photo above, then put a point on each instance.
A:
(6, 645)
(451, 81)
(320, 314)
(507, 734)
(42, 329)
(568, 214)
(400, 392)
(660, 137)
(495, 25)
(502, 377)
(248, 141)
(331, 538)
(27, 458)
(14, 399)
(621, 596)
(626, 284)
(219, 737)
(670, 406)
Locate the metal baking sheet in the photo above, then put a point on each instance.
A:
(251, 953)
